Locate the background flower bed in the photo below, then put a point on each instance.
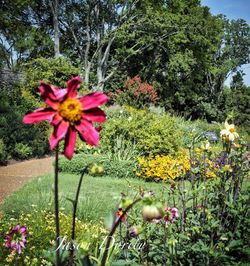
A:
(41, 235)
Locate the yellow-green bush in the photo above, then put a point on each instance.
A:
(163, 167)
(150, 133)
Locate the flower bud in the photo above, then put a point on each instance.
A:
(133, 232)
(151, 212)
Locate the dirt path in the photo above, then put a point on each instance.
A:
(14, 176)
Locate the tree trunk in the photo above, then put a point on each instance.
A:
(54, 9)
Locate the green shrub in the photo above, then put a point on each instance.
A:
(3, 153)
(111, 166)
(14, 104)
(148, 132)
(22, 151)
(56, 71)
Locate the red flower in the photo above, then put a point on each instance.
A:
(173, 186)
(69, 114)
(121, 214)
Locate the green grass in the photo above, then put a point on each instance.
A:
(99, 195)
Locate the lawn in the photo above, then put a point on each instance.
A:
(99, 195)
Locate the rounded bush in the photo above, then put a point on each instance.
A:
(150, 133)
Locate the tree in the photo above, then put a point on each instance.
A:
(91, 27)
(232, 52)
(237, 101)
(54, 5)
(24, 32)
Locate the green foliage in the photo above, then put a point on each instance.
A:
(22, 151)
(20, 140)
(98, 164)
(236, 100)
(3, 153)
(56, 71)
(212, 225)
(188, 67)
(186, 53)
(148, 132)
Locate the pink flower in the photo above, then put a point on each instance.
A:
(16, 238)
(133, 232)
(69, 114)
(170, 214)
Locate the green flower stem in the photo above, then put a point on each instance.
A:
(56, 202)
(16, 260)
(204, 201)
(112, 231)
(165, 243)
(75, 202)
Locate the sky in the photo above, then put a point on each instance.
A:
(233, 9)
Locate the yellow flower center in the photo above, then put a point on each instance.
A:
(70, 110)
(231, 129)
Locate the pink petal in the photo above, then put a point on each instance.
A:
(12, 244)
(59, 132)
(17, 227)
(47, 91)
(73, 86)
(56, 120)
(88, 132)
(70, 143)
(60, 94)
(39, 115)
(48, 94)
(95, 115)
(22, 229)
(19, 249)
(93, 100)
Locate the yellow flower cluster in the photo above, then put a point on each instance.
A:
(164, 167)
(210, 167)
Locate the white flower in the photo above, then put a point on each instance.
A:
(229, 133)
(205, 146)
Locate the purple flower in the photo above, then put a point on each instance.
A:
(170, 214)
(16, 238)
(221, 160)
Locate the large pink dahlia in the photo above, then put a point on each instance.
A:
(70, 114)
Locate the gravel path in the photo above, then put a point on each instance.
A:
(14, 176)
